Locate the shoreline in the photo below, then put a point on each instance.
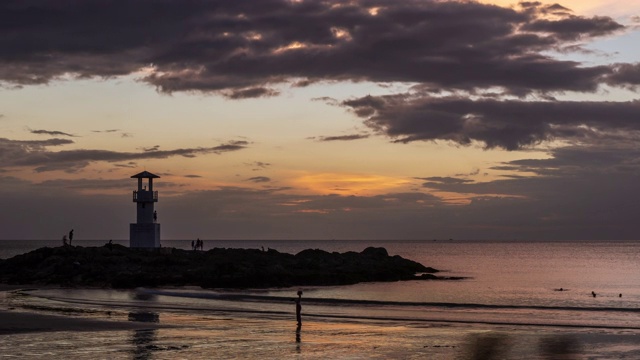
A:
(19, 322)
(221, 334)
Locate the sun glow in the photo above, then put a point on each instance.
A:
(349, 184)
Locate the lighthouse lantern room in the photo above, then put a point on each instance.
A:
(145, 233)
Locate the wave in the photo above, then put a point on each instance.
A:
(240, 297)
(328, 309)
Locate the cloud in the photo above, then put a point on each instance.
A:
(444, 180)
(250, 93)
(343, 137)
(34, 154)
(50, 132)
(625, 74)
(328, 100)
(478, 56)
(230, 146)
(259, 179)
(574, 27)
(242, 48)
(550, 205)
(129, 165)
(472, 173)
(258, 165)
(508, 124)
(193, 176)
(152, 148)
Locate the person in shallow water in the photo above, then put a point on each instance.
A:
(299, 308)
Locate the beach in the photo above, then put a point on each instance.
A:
(508, 307)
(32, 327)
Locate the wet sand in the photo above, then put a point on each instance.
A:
(21, 320)
(33, 334)
(13, 322)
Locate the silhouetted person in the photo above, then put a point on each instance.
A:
(620, 295)
(155, 216)
(299, 308)
(193, 245)
(593, 293)
(70, 236)
(64, 240)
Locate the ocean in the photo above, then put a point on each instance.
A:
(533, 298)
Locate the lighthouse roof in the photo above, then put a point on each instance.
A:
(145, 175)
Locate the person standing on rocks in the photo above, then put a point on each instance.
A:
(70, 236)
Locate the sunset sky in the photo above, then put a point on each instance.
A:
(301, 119)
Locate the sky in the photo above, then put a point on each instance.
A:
(301, 119)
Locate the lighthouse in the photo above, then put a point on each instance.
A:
(145, 233)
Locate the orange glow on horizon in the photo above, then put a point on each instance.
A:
(348, 184)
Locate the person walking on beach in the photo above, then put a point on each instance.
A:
(70, 236)
(299, 308)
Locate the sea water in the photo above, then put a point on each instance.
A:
(509, 286)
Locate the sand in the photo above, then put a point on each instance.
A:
(14, 322)
(27, 334)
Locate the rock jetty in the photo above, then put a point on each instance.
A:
(117, 266)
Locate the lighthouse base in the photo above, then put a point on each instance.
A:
(144, 235)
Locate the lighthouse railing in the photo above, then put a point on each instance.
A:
(145, 196)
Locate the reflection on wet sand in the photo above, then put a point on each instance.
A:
(144, 339)
(491, 346)
(147, 317)
(560, 347)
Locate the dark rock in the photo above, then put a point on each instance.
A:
(121, 267)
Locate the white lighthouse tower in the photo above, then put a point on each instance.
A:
(145, 233)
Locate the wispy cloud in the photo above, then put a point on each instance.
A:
(258, 165)
(343, 137)
(50, 132)
(17, 153)
(259, 179)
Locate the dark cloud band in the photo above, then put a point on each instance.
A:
(240, 48)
